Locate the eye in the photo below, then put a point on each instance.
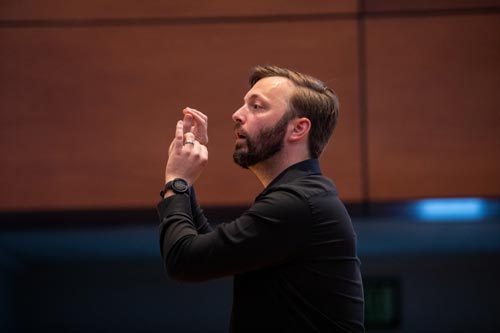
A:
(256, 107)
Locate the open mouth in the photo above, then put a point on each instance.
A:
(239, 135)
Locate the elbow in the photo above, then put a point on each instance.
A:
(174, 260)
(180, 266)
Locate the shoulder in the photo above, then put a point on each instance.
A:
(308, 186)
(293, 198)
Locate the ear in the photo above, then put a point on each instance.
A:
(300, 130)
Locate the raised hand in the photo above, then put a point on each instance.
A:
(187, 156)
(197, 123)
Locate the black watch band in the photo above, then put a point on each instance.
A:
(178, 185)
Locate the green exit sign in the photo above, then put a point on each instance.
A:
(382, 303)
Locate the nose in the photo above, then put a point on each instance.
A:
(238, 115)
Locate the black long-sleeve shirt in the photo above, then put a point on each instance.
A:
(292, 254)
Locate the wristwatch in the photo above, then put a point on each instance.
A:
(178, 185)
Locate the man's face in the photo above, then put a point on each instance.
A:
(262, 122)
(266, 143)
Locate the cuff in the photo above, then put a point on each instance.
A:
(174, 204)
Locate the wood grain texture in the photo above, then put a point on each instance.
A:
(433, 120)
(87, 114)
(112, 9)
(90, 92)
(377, 6)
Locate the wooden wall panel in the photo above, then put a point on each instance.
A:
(433, 120)
(375, 6)
(106, 9)
(90, 92)
(87, 113)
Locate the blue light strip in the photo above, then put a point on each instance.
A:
(452, 210)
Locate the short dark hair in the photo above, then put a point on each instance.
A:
(312, 99)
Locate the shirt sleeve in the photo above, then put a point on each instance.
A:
(275, 228)
(200, 221)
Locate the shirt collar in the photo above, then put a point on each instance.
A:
(298, 170)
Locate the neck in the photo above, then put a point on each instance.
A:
(269, 169)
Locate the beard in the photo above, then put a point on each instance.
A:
(268, 142)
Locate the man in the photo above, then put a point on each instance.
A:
(293, 252)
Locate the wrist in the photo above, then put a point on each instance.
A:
(168, 193)
(174, 186)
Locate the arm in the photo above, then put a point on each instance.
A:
(187, 156)
(270, 232)
(200, 221)
(188, 161)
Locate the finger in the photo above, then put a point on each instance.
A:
(172, 145)
(199, 124)
(189, 136)
(189, 140)
(198, 115)
(201, 152)
(196, 147)
(204, 153)
(179, 135)
(188, 122)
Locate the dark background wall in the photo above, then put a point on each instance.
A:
(89, 95)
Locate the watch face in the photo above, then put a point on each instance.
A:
(179, 185)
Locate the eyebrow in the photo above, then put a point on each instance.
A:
(254, 96)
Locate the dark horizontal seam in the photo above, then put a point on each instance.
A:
(159, 21)
(431, 13)
(165, 21)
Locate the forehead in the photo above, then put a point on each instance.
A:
(273, 88)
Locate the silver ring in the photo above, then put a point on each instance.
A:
(189, 142)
